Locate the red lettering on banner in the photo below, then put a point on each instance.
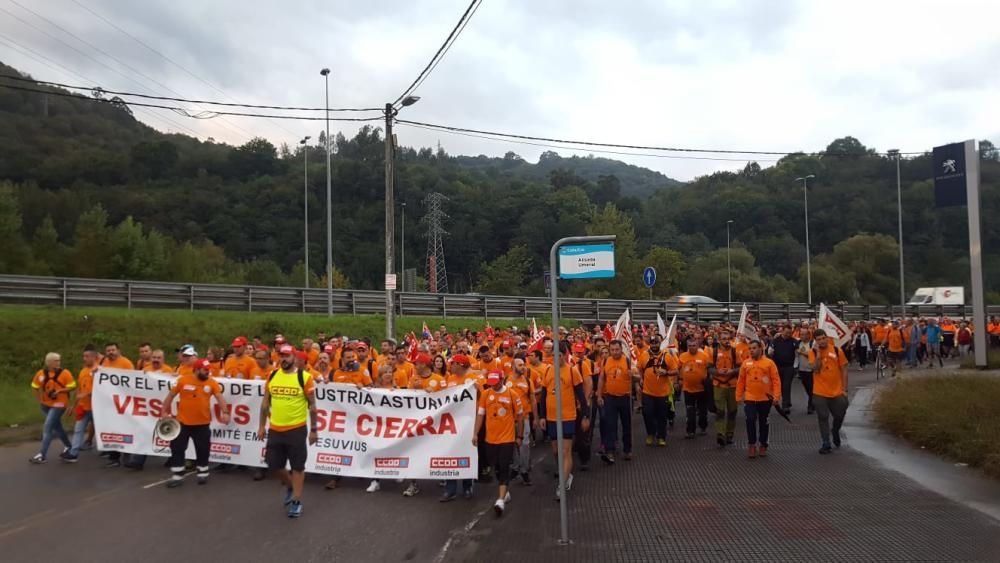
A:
(425, 425)
(121, 406)
(409, 425)
(138, 406)
(337, 421)
(391, 425)
(447, 424)
(362, 430)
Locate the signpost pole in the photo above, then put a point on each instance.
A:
(554, 276)
(976, 253)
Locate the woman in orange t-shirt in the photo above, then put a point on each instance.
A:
(52, 385)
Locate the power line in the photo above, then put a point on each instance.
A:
(448, 48)
(225, 123)
(185, 112)
(450, 128)
(440, 52)
(182, 100)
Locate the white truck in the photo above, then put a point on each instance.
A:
(938, 296)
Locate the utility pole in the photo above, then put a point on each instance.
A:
(305, 202)
(899, 211)
(805, 195)
(329, 204)
(390, 225)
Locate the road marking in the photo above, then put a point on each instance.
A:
(27, 520)
(13, 531)
(465, 530)
(151, 485)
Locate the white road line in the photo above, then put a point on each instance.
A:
(465, 530)
(151, 485)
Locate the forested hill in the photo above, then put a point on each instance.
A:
(86, 190)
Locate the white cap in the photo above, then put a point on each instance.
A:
(188, 350)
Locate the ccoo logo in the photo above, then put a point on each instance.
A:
(392, 462)
(449, 462)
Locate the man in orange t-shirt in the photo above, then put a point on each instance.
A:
(657, 388)
(572, 397)
(52, 385)
(262, 367)
(194, 412)
(353, 373)
(758, 388)
(694, 365)
(829, 388)
(113, 357)
(83, 409)
(614, 396)
(499, 413)
(238, 364)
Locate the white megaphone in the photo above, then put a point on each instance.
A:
(167, 428)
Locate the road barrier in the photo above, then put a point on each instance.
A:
(76, 292)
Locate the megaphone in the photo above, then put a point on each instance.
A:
(167, 428)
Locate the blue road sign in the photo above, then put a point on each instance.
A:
(649, 276)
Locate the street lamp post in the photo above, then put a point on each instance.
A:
(390, 207)
(305, 202)
(894, 153)
(329, 203)
(729, 262)
(805, 192)
(402, 238)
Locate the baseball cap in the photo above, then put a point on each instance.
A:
(286, 349)
(279, 339)
(302, 355)
(423, 359)
(361, 346)
(506, 344)
(329, 349)
(461, 359)
(493, 377)
(239, 341)
(579, 347)
(187, 350)
(202, 364)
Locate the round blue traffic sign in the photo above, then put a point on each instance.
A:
(649, 276)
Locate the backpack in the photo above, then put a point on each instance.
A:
(50, 377)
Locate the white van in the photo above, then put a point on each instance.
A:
(938, 296)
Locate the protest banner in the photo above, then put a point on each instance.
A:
(371, 433)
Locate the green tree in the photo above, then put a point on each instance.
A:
(669, 266)
(50, 255)
(507, 274)
(91, 252)
(15, 256)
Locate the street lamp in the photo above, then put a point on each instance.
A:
(402, 238)
(305, 201)
(894, 153)
(805, 192)
(329, 203)
(390, 220)
(729, 263)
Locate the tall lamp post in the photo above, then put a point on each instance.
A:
(805, 195)
(729, 262)
(402, 238)
(894, 153)
(329, 203)
(305, 202)
(390, 207)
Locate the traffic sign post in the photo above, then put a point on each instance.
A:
(649, 278)
(590, 257)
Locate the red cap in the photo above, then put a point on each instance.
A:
(302, 355)
(263, 347)
(506, 344)
(279, 339)
(329, 349)
(579, 347)
(494, 377)
(423, 359)
(361, 346)
(286, 349)
(461, 359)
(239, 341)
(202, 364)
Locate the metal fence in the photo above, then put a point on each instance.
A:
(73, 292)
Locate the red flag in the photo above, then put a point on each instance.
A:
(537, 337)
(609, 333)
(490, 333)
(414, 349)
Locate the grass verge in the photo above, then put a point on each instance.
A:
(992, 360)
(27, 333)
(957, 416)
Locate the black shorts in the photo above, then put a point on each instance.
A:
(287, 447)
(500, 456)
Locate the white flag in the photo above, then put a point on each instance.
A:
(833, 326)
(669, 334)
(661, 328)
(746, 331)
(623, 332)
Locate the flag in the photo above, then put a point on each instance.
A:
(662, 328)
(670, 336)
(426, 332)
(414, 349)
(746, 331)
(537, 337)
(490, 333)
(609, 334)
(833, 326)
(623, 332)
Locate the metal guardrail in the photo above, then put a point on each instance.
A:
(74, 292)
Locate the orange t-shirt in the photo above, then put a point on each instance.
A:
(121, 363)
(993, 328)
(656, 385)
(402, 374)
(453, 380)
(879, 332)
(694, 370)
(724, 362)
(194, 399)
(895, 340)
(58, 384)
(827, 382)
(525, 388)
(500, 410)
(164, 368)
(238, 366)
(313, 355)
(258, 372)
(183, 370)
(359, 378)
(321, 376)
(507, 364)
(431, 383)
(757, 380)
(617, 379)
(85, 386)
(569, 377)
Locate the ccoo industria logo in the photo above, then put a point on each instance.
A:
(334, 459)
(228, 449)
(449, 462)
(113, 438)
(392, 462)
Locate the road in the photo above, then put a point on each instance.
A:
(690, 501)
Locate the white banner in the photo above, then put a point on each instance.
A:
(834, 327)
(362, 432)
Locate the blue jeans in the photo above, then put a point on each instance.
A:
(451, 486)
(79, 432)
(53, 427)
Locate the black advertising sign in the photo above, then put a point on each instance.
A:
(949, 175)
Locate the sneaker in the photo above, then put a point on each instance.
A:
(373, 487)
(174, 483)
(68, 458)
(825, 449)
(258, 475)
(446, 498)
(569, 481)
(331, 484)
(37, 459)
(661, 443)
(526, 479)
(762, 452)
(752, 452)
(608, 458)
(288, 496)
(649, 440)
(721, 440)
(467, 494)
(506, 497)
(411, 491)
(112, 464)
(498, 507)
(295, 509)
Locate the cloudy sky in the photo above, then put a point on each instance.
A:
(769, 75)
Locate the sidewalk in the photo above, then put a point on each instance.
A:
(692, 501)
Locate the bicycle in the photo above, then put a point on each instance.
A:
(881, 362)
